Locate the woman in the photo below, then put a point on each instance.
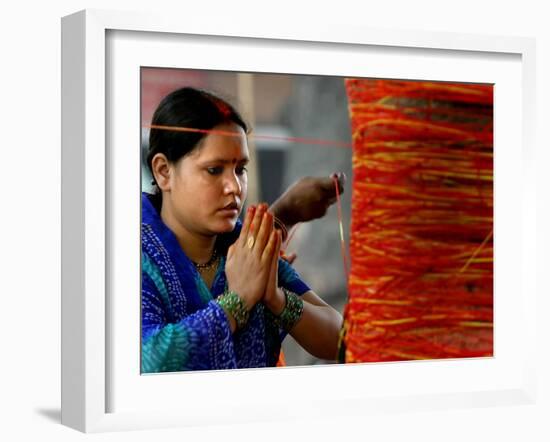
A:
(215, 293)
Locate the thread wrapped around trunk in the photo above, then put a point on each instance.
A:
(421, 242)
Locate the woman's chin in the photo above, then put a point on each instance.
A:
(228, 225)
(224, 222)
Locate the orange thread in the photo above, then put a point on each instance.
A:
(421, 276)
(312, 141)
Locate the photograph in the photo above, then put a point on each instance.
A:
(297, 220)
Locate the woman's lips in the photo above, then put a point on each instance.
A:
(230, 209)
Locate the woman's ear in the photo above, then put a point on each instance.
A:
(161, 171)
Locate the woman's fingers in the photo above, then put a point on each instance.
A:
(252, 232)
(247, 222)
(273, 248)
(270, 247)
(277, 250)
(265, 229)
(256, 231)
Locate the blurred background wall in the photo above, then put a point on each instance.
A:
(285, 106)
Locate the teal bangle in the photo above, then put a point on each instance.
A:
(291, 314)
(234, 305)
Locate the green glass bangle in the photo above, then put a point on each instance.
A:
(291, 314)
(234, 305)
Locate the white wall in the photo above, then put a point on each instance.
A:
(30, 221)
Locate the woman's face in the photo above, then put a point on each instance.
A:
(208, 186)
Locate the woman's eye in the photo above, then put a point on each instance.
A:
(214, 170)
(241, 170)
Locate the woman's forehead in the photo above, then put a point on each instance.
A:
(227, 144)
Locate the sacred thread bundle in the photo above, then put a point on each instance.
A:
(421, 242)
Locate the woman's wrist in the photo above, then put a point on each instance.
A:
(248, 298)
(235, 307)
(276, 304)
(291, 312)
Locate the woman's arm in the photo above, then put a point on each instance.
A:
(318, 330)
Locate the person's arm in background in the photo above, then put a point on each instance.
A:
(307, 199)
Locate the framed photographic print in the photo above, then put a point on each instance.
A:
(115, 63)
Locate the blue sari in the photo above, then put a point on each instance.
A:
(182, 327)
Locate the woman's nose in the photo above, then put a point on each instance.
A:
(233, 184)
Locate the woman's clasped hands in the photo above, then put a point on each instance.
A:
(252, 261)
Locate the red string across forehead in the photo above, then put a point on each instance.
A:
(299, 140)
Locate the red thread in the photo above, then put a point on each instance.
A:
(341, 229)
(311, 141)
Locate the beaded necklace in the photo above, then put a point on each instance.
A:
(213, 261)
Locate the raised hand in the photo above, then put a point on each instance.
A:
(307, 199)
(250, 258)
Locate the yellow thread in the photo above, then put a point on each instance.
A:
(403, 355)
(477, 251)
(476, 324)
(383, 301)
(394, 321)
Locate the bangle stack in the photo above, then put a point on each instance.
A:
(234, 305)
(291, 314)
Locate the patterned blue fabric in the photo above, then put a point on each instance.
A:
(182, 328)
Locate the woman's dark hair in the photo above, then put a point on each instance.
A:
(187, 108)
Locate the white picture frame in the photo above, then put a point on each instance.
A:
(87, 212)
